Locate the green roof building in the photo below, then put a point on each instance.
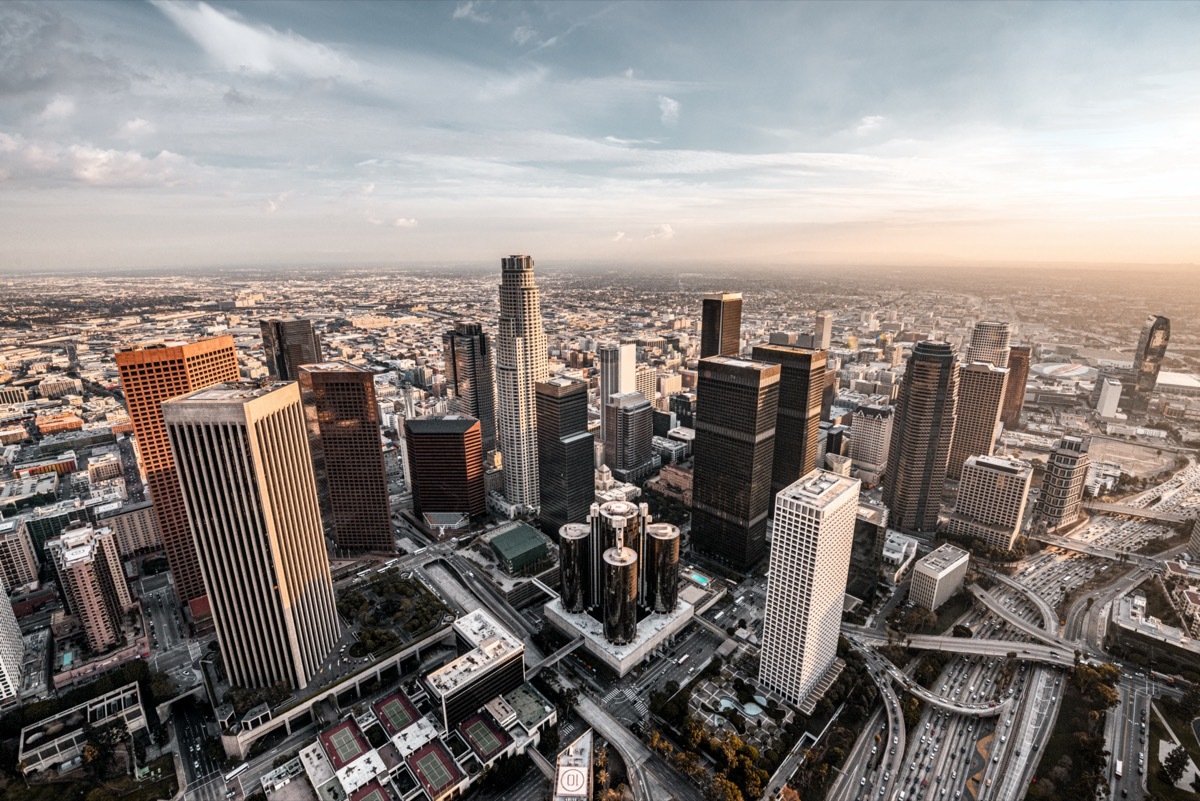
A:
(521, 550)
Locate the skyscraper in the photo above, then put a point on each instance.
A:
(629, 451)
(343, 433)
(922, 430)
(445, 462)
(289, 342)
(92, 580)
(520, 364)
(1151, 349)
(1061, 499)
(981, 388)
(990, 505)
(823, 331)
(470, 374)
(870, 438)
(151, 374)
(247, 477)
(1014, 392)
(721, 325)
(565, 453)
(801, 383)
(645, 380)
(1109, 400)
(811, 540)
(12, 654)
(737, 404)
(989, 343)
(617, 376)
(18, 565)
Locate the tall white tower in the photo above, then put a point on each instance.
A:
(520, 364)
(810, 558)
(12, 654)
(990, 343)
(617, 376)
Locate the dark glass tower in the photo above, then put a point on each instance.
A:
(343, 434)
(1151, 348)
(566, 453)
(922, 432)
(721, 325)
(445, 462)
(470, 375)
(737, 403)
(289, 342)
(1014, 393)
(801, 384)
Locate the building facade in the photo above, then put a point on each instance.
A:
(922, 430)
(1151, 349)
(721, 324)
(629, 451)
(990, 343)
(737, 403)
(12, 655)
(343, 434)
(981, 388)
(566, 453)
(991, 500)
(870, 438)
(1014, 392)
(471, 376)
(1061, 499)
(92, 582)
(18, 565)
(618, 375)
(812, 537)
(938, 576)
(801, 383)
(247, 476)
(520, 364)
(150, 375)
(289, 342)
(445, 464)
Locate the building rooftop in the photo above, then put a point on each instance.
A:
(943, 558)
(1002, 464)
(396, 713)
(441, 424)
(520, 545)
(573, 780)
(491, 643)
(414, 737)
(820, 488)
(343, 743)
(483, 735)
(334, 367)
(435, 769)
(232, 392)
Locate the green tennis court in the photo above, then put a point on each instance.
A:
(433, 770)
(396, 714)
(483, 738)
(345, 745)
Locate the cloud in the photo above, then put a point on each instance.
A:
(92, 166)
(629, 72)
(58, 108)
(524, 34)
(669, 110)
(368, 189)
(662, 231)
(233, 97)
(276, 203)
(471, 10)
(135, 127)
(239, 46)
(869, 124)
(404, 222)
(619, 236)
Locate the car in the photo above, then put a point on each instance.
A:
(862, 781)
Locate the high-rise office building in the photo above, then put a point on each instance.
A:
(981, 388)
(629, 451)
(620, 594)
(610, 523)
(520, 364)
(1109, 401)
(922, 430)
(1061, 499)
(445, 464)
(870, 438)
(12, 655)
(737, 403)
(1151, 349)
(659, 571)
(565, 453)
(990, 505)
(150, 375)
(92, 581)
(823, 331)
(811, 540)
(471, 377)
(801, 382)
(645, 381)
(618, 375)
(574, 566)
(990, 343)
(721, 325)
(18, 565)
(343, 434)
(684, 407)
(289, 342)
(247, 476)
(1014, 391)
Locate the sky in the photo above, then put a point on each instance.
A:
(181, 133)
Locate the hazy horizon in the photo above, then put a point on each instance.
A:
(179, 134)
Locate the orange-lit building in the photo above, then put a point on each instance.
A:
(151, 374)
(55, 423)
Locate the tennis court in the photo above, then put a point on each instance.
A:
(397, 715)
(435, 773)
(346, 746)
(482, 736)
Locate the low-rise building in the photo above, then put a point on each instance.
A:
(938, 576)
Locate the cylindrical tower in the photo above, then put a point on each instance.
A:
(620, 595)
(573, 559)
(611, 523)
(660, 571)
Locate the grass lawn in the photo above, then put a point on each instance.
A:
(1157, 787)
(1072, 717)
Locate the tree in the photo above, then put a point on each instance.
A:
(788, 794)
(1174, 765)
(962, 631)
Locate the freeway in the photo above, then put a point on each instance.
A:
(1012, 618)
(985, 710)
(1135, 511)
(1097, 550)
(1027, 652)
(1049, 618)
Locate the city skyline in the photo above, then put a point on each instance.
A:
(178, 134)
